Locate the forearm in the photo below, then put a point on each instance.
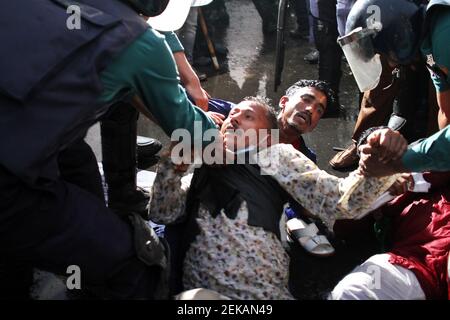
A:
(187, 74)
(190, 81)
(169, 194)
(166, 98)
(443, 99)
(147, 68)
(168, 103)
(431, 154)
(324, 195)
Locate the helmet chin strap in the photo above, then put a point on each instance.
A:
(395, 77)
(148, 8)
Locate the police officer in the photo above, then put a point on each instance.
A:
(56, 82)
(118, 132)
(398, 30)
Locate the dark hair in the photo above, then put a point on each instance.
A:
(320, 85)
(271, 114)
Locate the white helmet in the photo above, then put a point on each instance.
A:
(175, 14)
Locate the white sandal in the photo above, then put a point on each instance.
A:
(307, 236)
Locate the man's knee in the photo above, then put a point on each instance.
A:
(121, 113)
(355, 286)
(378, 279)
(364, 282)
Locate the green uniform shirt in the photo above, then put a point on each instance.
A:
(433, 153)
(147, 68)
(430, 154)
(437, 43)
(173, 41)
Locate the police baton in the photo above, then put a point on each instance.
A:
(211, 49)
(279, 54)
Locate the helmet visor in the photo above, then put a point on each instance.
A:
(199, 3)
(361, 57)
(175, 14)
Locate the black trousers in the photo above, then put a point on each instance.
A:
(301, 12)
(55, 224)
(325, 36)
(77, 165)
(118, 132)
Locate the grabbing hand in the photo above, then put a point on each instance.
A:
(200, 96)
(217, 117)
(387, 144)
(371, 166)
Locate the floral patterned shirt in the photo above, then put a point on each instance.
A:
(247, 262)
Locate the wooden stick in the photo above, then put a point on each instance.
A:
(211, 49)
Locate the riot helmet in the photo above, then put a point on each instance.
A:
(175, 14)
(149, 8)
(388, 27)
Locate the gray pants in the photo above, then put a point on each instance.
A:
(188, 33)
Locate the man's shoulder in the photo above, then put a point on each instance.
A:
(150, 38)
(301, 146)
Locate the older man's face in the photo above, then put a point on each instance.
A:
(301, 112)
(245, 118)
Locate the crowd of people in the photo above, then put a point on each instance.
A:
(222, 221)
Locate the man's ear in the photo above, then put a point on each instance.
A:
(283, 101)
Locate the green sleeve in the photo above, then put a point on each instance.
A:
(147, 68)
(173, 41)
(431, 154)
(437, 44)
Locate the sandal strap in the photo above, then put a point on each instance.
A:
(310, 231)
(321, 240)
(317, 242)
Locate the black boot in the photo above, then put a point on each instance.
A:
(147, 148)
(118, 132)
